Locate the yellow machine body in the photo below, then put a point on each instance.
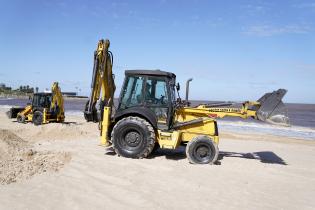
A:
(186, 126)
(171, 139)
(49, 107)
(56, 103)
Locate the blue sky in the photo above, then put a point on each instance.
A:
(234, 50)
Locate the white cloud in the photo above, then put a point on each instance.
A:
(306, 68)
(270, 30)
(254, 9)
(310, 5)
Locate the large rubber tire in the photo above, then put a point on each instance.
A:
(133, 137)
(20, 119)
(202, 150)
(37, 118)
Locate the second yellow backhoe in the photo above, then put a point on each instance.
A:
(45, 108)
(150, 115)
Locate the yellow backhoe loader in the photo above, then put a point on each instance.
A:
(148, 113)
(45, 108)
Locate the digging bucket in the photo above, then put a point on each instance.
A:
(272, 109)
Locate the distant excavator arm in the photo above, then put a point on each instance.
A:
(57, 106)
(57, 99)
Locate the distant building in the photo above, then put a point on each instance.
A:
(63, 93)
(47, 90)
(69, 93)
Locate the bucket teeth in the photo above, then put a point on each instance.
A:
(272, 109)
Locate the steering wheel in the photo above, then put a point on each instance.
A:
(160, 100)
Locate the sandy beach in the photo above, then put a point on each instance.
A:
(62, 166)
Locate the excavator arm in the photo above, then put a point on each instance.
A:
(102, 85)
(57, 99)
(269, 108)
(102, 90)
(57, 106)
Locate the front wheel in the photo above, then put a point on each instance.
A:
(37, 118)
(20, 119)
(202, 150)
(133, 137)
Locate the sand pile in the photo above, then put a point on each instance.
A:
(63, 131)
(57, 131)
(18, 161)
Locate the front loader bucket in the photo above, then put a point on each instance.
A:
(272, 109)
(12, 113)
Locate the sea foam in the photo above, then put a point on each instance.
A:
(263, 128)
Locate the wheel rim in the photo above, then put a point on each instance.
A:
(203, 153)
(131, 140)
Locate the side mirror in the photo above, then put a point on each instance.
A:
(177, 86)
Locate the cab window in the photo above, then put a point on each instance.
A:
(132, 92)
(156, 91)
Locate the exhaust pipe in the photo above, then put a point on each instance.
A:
(187, 90)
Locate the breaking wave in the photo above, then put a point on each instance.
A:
(253, 127)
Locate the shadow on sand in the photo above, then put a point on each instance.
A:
(172, 154)
(264, 156)
(70, 123)
(179, 154)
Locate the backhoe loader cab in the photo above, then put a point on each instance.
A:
(148, 93)
(41, 101)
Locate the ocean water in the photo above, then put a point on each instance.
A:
(250, 127)
(302, 119)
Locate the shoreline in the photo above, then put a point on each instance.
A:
(9, 96)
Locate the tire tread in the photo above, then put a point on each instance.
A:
(193, 142)
(151, 139)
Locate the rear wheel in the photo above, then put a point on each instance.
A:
(202, 150)
(37, 118)
(133, 137)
